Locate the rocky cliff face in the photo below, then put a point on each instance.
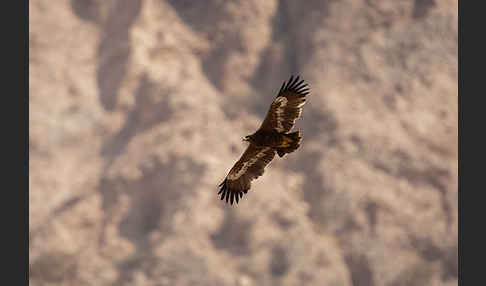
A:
(137, 110)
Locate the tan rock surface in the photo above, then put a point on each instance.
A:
(137, 110)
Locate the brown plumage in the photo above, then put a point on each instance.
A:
(272, 136)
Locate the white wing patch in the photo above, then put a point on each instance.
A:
(302, 103)
(282, 102)
(298, 115)
(247, 164)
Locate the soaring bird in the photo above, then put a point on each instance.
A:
(272, 136)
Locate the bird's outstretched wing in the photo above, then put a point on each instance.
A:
(287, 107)
(250, 166)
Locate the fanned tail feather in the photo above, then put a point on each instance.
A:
(294, 145)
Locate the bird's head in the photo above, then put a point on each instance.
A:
(247, 138)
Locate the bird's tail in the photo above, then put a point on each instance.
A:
(296, 138)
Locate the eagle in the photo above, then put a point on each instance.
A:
(272, 137)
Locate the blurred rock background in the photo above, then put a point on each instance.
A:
(137, 110)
